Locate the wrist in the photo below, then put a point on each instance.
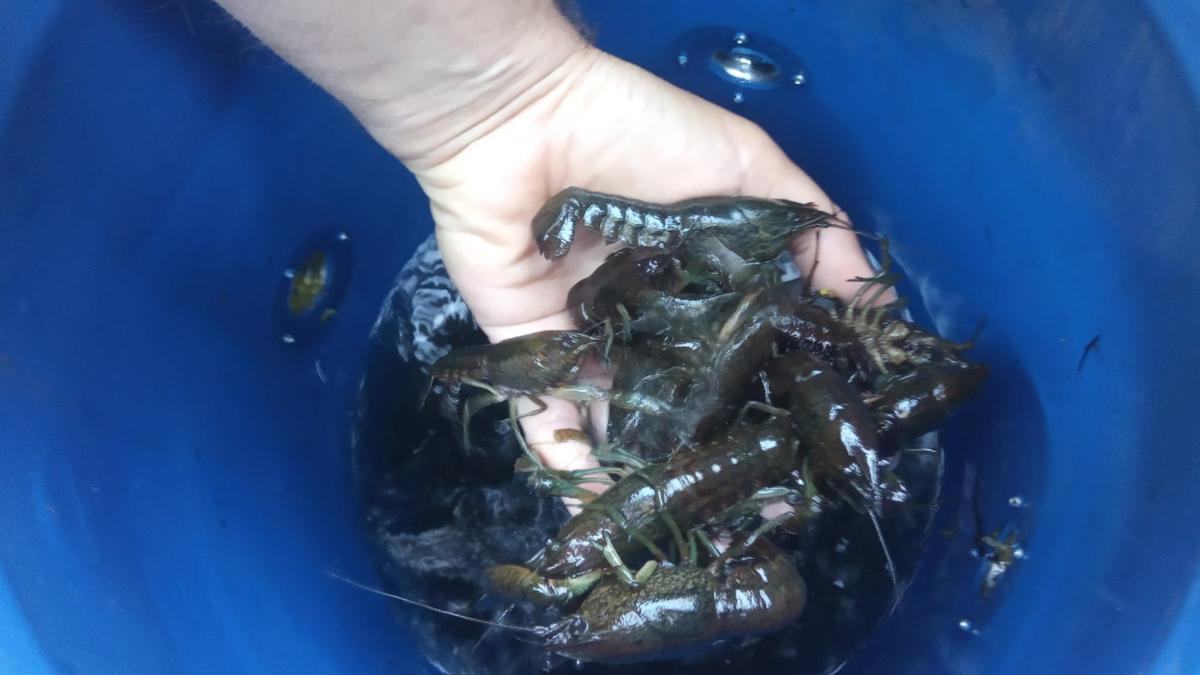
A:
(425, 118)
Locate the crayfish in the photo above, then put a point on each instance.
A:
(732, 390)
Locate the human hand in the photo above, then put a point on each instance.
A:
(496, 106)
(606, 125)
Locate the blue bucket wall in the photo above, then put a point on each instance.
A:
(176, 478)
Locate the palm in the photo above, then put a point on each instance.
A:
(620, 130)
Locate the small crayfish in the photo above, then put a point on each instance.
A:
(533, 365)
(755, 229)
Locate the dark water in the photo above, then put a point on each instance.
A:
(441, 514)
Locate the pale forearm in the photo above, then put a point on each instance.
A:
(425, 77)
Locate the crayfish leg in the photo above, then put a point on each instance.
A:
(609, 336)
(761, 407)
(680, 542)
(578, 392)
(626, 320)
(611, 454)
(812, 269)
(547, 484)
(425, 394)
(765, 528)
(541, 407)
(618, 565)
(884, 283)
(473, 404)
(884, 278)
(702, 537)
(516, 428)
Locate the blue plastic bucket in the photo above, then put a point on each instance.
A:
(174, 476)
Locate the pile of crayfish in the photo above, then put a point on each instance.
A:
(741, 405)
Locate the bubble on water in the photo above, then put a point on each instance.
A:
(288, 339)
(966, 626)
(739, 97)
(289, 273)
(1018, 553)
(841, 546)
(1016, 501)
(839, 583)
(682, 59)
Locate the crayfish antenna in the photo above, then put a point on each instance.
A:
(970, 343)
(425, 396)
(438, 610)
(812, 269)
(487, 632)
(887, 556)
